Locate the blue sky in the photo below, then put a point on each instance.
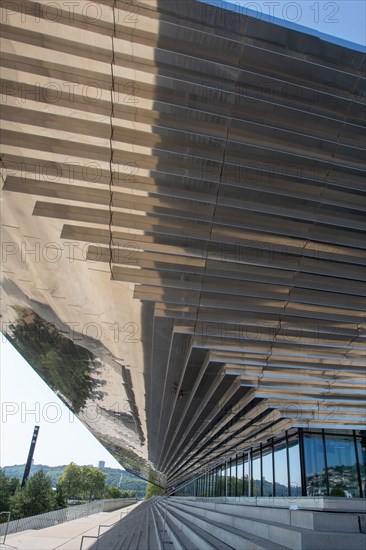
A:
(66, 439)
(345, 19)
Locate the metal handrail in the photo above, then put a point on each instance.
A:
(7, 526)
(55, 517)
(87, 537)
(111, 526)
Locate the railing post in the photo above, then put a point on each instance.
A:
(124, 513)
(86, 537)
(7, 525)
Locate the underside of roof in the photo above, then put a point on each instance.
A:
(182, 224)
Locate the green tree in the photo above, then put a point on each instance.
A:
(60, 497)
(82, 482)
(153, 490)
(36, 497)
(128, 494)
(70, 481)
(85, 482)
(8, 487)
(117, 477)
(337, 491)
(96, 483)
(112, 492)
(115, 492)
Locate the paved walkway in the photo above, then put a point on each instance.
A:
(66, 536)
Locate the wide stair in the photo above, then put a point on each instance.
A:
(190, 524)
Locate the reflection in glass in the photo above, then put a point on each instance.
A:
(239, 487)
(233, 478)
(216, 482)
(223, 481)
(267, 472)
(246, 475)
(234, 474)
(228, 480)
(342, 466)
(333, 464)
(280, 460)
(294, 467)
(256, 474)
(314, 465)
(361, 451)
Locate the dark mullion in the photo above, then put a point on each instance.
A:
(302, 462)
(325, 462)
(273, 470)
(288, 466)
(358, 469)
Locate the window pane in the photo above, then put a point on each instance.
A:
(233, 474)
(217, 482)
(294, 464)
(233, 477)
(361, 450)
(342, 467)
(256, 475)
(239, 488)
(314, 465)
(223, 481)
(246, 475)
(228, 479)
(267, 472)
(280, 459)
(210, 485)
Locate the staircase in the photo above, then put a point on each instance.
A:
(191, 524)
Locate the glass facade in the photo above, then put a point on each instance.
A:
(281, 485)
(267, 472)
(302, 463)
(293, 459)
(361, 458)
(315, 465)
(256, 474)
(334, 463)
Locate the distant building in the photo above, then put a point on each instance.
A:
(101, 464)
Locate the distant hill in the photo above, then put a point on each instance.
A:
(114, 476)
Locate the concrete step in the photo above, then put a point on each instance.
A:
(142, 533)
(232, 537)
(337, 522)
(278, 515)
(198, 537)
(146, 534)
(161, 540)
(308, 519)
(287, 536)
(118, 544)
(135, 532)
(113, 539)
(129, 529)
(176, 538)
(268, 531)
